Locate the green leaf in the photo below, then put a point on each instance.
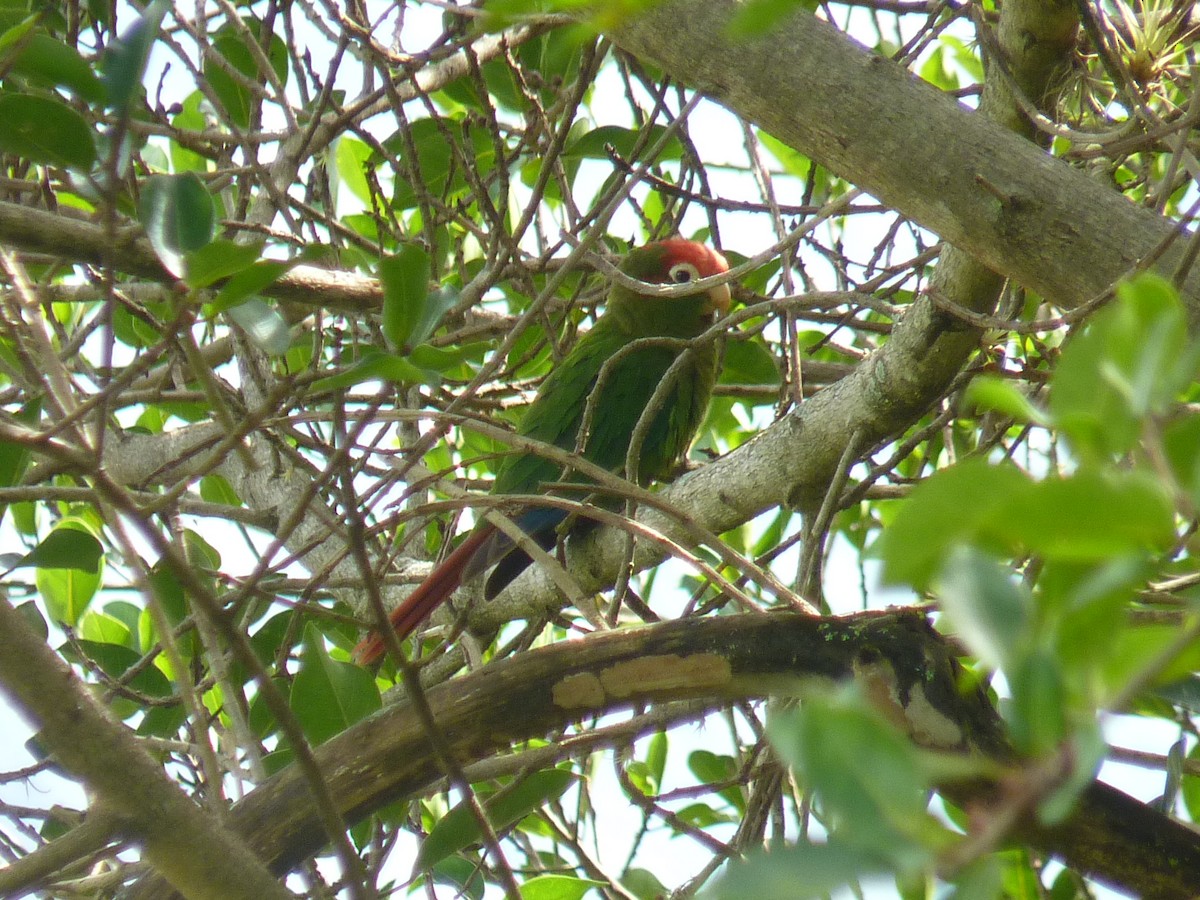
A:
(1130, 362)
(656, 758)
(985, 608)
(1094, 514)
(125, 59)
(177, 213)
(458, 829)
(644, 884)
(1037, 712)
(405, 280)
(14, 457)
(264, 325)
(756, 17)
(105, 629)
(375, 365)
(351, 156)
(16, 33)
(712, 768)
(443, 359)
(216, 489)
(557, 887)
(329, 696)
(749, 362)
(801, 872)
(55, 64)
(951, 507)
(875, 796)
(44, 130)
(1181, 442)
(595, 144)
(115, 660)
(231, 45)
(793, 162)
(218, 259)
(434, 141)
(1001, 395)
(253, 279)
(69, 546)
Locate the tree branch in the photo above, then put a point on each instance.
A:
(902, 662)
(981, 187)
(191, 849)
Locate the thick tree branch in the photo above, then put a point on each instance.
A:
(979, 186)
(899, 659)
(191, 849)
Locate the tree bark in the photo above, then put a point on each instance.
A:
(906, 667)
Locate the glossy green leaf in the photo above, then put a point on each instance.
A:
(793, 162)
(14, 457)
(986, 609)
(713, 768)
(33, 617)
(115, 660)
(874, 796)
(756, 17)
(53, 63)
(596, 143)
(801, 872)
(377, 366)
(1094, 514)
(434, 141)
(464, 875)
(231, 45)
(105, 629)
(125, 59)
(177, 213)
(45, 130)
(329, 696)
(459, 829)
(1037, 712)
(219, 259)
(1003, 396)
(216, 489)
(951, 507)
(253, 279)
(749, 362)
(443, 359)
(644, 884)
(656, 758)
(264, 325)
(69, 546)
(1131, 361)
(351, 156)
(405, 280)
(558, 887)
(17, 24)
(201, 555)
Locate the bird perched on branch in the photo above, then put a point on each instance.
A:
(606, 383)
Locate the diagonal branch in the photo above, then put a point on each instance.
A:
(901, 661)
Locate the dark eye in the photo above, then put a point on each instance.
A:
(682, 273)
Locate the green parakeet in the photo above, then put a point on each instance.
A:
(612, 399)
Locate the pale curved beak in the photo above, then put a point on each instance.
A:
(720, 297)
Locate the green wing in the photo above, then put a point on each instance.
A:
(628, 385)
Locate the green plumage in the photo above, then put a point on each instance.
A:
(610, 381)
(628, 385)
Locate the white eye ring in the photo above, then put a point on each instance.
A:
(682, 273)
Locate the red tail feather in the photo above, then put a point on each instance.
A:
(429, 595)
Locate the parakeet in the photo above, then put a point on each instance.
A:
(612, 399)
